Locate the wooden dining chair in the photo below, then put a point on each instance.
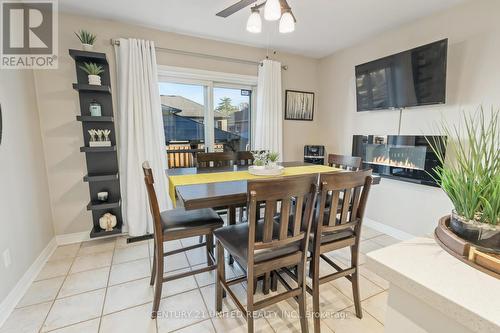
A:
(173, 225)
(333, 231)
(346, 162)
(214, 160)
(263, 246)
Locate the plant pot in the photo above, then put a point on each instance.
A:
(272, 165)
(259, 167)
(88, 47)
(484, 235)
(94, 80)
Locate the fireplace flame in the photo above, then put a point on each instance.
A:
(396, 163)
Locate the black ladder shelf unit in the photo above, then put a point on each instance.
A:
(102, 162)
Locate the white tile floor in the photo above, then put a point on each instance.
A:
(103, 286)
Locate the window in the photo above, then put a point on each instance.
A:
(205, 111)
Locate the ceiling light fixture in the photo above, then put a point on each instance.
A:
(287, 22)
(272, 10)
(254, 22)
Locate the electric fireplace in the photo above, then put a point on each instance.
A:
(403, 157)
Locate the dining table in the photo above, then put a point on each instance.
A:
(195, 188)
(226, 187)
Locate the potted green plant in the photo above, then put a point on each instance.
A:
(272, 158)
(471, 179)
(87, 39)
(259, 159)
(93, 70)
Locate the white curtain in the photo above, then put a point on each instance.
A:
(269, 112)
(140, 132)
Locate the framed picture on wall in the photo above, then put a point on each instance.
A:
(299, 105)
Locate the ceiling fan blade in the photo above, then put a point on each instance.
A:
(234, 8)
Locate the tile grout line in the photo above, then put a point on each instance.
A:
(106, 291)
(58, 291)
(202, 298)
(369, 311)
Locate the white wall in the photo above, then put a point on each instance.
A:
(25, 215)
(473, 78)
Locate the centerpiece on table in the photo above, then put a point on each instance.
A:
(471, 179)
(265, 163)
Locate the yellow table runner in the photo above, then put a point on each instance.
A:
(228, 176)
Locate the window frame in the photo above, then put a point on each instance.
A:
(210, 80)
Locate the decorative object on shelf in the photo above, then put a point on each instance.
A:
(87, 39)
(99, 138)
(95, 109)
(102, 196)
(299, 105)
(472, 179)
(93, 71)
(273, 10)
(107, 221)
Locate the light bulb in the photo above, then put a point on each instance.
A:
(254, 23)
(272, 10)
(287, 23)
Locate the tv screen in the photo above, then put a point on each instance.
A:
(410, 78)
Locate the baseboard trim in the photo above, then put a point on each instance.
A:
(17, 293)
(386, 229)
(76, 237)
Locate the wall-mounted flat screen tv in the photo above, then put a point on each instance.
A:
(410, 78)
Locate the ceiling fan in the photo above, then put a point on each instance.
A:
(273, 10)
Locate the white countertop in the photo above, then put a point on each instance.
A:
(422, 268)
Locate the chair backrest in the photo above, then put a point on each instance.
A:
(153, 201)
(293, 198)
(344, 195)
(244, 157)
(352, 163)
(213, 160)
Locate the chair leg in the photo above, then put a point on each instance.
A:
(266, 283)
(200, 240)
(355, 282)
(315, 288)
(221, 275)
(274, 281)
(231, 220)
(311, 268)
(301, 275)
(153, 270)
(159, 282)
(210, 248)
(240, 213)
(250, 291)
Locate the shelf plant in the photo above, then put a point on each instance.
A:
(87, 39)
(93, 71)
(471, 178)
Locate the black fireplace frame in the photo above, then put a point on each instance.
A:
(415, 175)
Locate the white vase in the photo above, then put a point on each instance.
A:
(87, 47)
(272, 165)
(94, 80)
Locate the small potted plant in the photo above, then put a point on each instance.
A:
(259, 159)
(87, 39)
(272, 158)
(472, 179)
(93, 70)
